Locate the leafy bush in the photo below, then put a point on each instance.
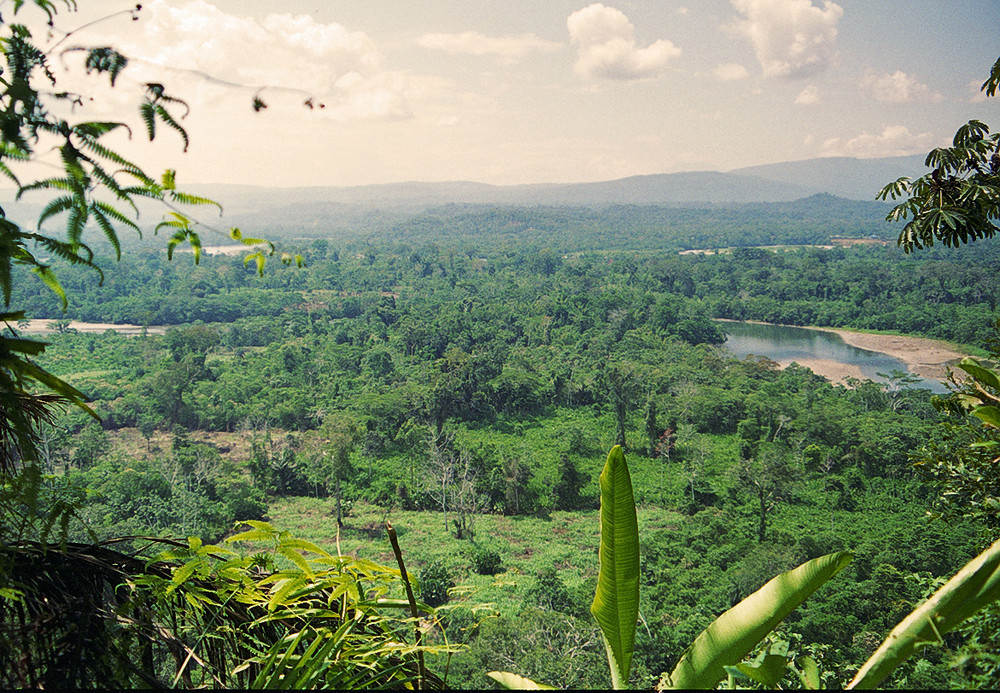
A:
(435, 580)
(551, 594)
(486, 561)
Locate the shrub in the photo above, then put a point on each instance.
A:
(486, 561)
(435, 581)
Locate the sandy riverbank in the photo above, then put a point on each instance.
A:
(42, 327)
(924, 357)
(834, 371)
(927, 358)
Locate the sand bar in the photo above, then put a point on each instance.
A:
(834, 371)
(925, 357)
(41, 326)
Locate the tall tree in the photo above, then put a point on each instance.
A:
(333, 465)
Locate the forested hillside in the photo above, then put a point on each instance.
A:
(429, 377)
(455, 386)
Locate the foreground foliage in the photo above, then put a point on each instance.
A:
(720, 647)
(86, 615)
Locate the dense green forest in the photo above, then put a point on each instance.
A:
(455, 387)
(449, 381)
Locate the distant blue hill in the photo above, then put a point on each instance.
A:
(854, 179)
(372, 207)
(857, 179)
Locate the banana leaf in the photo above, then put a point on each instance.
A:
(976, 585)
(735, 633)
(616, 602)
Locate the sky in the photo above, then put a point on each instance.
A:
(531, 92)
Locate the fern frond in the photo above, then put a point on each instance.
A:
(78, 216)
(287, 259)
(67, 252)
(139, 175)
(179, 221)
(106, 59)
(237, 235)
(56, 206)
(259, 258)
(174, 241)
(71, 158)
(158, 94)
(109, 231)
(195, 242)
(10, 150)
(46, 184)
(110, 154)
(151, 193)
(95, 129)
(6, 172)
(50, 280)
(187, 199)
(148, 115)
(107, 180)
(116, 214)
(169, 120)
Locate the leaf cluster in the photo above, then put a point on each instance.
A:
(96, 186)
(958, 201)
(195, 615)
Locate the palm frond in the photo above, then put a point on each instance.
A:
(196, 616)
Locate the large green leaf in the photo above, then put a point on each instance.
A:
(977, 371)
(988, 414)
(616, 603)
(518, 683)
(976, 585)
(768, 673)
(735, 633)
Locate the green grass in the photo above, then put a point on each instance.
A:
(565, 541)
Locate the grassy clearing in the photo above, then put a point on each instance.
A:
(564, 541)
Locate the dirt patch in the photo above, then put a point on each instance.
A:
(232, 446)
(373, 530)
(845, 242)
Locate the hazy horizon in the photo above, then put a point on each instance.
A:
(531, 93)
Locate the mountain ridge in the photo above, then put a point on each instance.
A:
(375, 206)
(850, 178)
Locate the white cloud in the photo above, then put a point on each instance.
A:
(508, 48)
(792, 38)
(808, 96)
(294, 54)
(731, 72)
(898, 87)
(894, 140)
(605, 40)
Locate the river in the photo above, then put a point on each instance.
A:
(823, 352)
